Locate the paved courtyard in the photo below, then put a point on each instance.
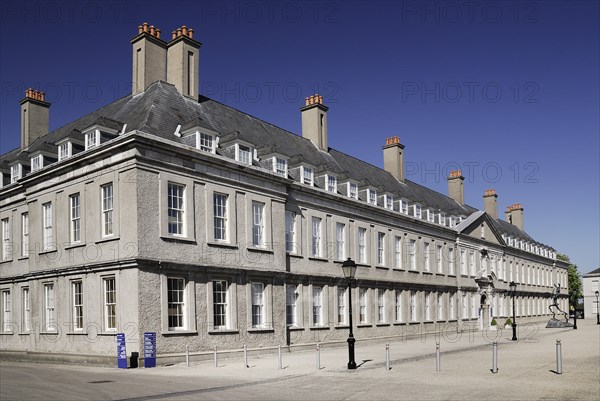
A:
(525, 371)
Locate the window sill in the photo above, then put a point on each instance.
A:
(382, 324)
(75, 245)
(362, 264)
(413, 323)
(76, 333)
(342, 326)
(6, 261)
(23, 258)
(364, 325)
(7, 333)
(428, 273)
(295, 328)
(382, 267)
(398, 269)
(413, 271)
(178, 239)
(318, 259)
(319, 327)
(107, 239)
(399, 323)
(179, 333)
(47, 251)
(224, 331)
(259, 250)
(222, 245)
(24, 333)
(261, 330)
(49, 333)
(294, 255)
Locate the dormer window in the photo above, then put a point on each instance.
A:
(16, 171)
(92, 139)
(441, 218)
(371, 196)
(37, 163)
(206, 142)
(451, 221)
(430, 215)
(331, 185)
(417, 211)
(352, 190)
(243, 154)
(280, 166)
(403, 206)
(388, 201)
(307, 176)
(65, 150)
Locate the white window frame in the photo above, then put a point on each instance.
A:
(207, 142)
(403, 206)
(65, 150)
(316, 237)
(427, 305)
(417, 211)
(352, 190)
(77, 304)
(451, 307)
(47, 227)
(258, 300)
(307, 176)
(49, 308)
(317, 306)
(388, 202)
(371, 196)
(331, 183)
(362, 245)
(109, 301)
(6, 254)
(340, 241)
(16, 172)
(220, 217)
(381, 318)
(342, 309)
(363, 306)
(413, 306)
(26, 306)
(292, 301)
(37, 163)
(440, 307)
(7, 325)
(426, 258)
(451, 261)
(107, 209)
(472, 269)
(176, 303)
(280, 166)
(439, 249)
(176, 209)
(92, 139)
(75, 218)
(399, 315)
(398, 252)
(380, 249)
(290, 232)
(412, 254)
(223, 312)
(258, 224)
(243, 153)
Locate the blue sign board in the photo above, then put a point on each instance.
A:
(121, 351)
(150, 350)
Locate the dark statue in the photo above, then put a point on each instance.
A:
(555, 323)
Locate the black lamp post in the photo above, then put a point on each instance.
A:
(349, 269)
(513, 290)
(597, 308)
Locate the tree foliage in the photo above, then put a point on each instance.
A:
(575, 285)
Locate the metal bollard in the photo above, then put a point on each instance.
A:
(245, 356)
(438, 366)
(558, 357)
(216, 360)
(279, 362)
(318, 357)
(187, 356)
(387, 356)
(494, 357)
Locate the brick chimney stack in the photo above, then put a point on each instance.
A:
(393, 157)
(149, 58)
(456, 189)
(490, 203)
(514, 215)
(314, 121)
(35, 116)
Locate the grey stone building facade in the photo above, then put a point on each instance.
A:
(169, 212)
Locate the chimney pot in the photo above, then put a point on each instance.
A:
(35, 116)
(191, 33)
(140, 29)
(152, 32)
(145, 26)
(178, 32)
(184, 30)
(157, 33)
(456, 188)
(173, 35)
(306, 101)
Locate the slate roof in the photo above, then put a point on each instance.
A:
(161, 108)
(593, 273)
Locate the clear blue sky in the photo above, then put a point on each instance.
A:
(509, 91)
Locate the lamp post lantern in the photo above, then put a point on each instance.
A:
(349, 269)
(513, 290)
(597, 308)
